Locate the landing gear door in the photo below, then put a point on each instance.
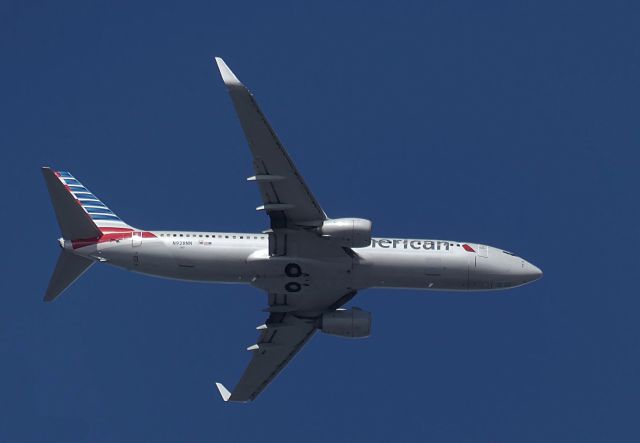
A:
(483, 251)
(136, 239)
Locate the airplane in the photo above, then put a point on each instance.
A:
(310, 265)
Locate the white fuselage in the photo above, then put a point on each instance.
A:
(244, 258)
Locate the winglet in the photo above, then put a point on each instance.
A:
(228, 77)
(224, 392)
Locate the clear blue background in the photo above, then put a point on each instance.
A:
(508, 123)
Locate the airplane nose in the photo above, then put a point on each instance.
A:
(530, 272)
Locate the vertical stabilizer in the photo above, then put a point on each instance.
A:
(74, 221)
(79, 212)
(68, 269)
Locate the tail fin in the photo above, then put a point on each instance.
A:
(80, 214)
(68, 269)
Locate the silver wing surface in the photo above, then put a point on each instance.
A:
(285, 195)
(280, 339)
(294, 212)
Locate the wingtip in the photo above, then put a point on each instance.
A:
(228, 77)
(224, 392)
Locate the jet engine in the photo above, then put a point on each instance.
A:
(349, 232)
(350, 323)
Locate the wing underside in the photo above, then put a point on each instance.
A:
(285, 195)
(294, 213)
(280, 339)
(282, 336)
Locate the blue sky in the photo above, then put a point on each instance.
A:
(513, 124)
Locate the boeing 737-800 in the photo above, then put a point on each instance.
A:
(309, 264)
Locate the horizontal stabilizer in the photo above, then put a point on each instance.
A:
(68, 269)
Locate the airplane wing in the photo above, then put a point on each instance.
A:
(294, 212)
(279, 340)
(285, 195)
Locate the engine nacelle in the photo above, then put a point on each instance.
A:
(349, 232)
(350, 323)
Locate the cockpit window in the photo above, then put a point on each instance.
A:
(509, 253)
